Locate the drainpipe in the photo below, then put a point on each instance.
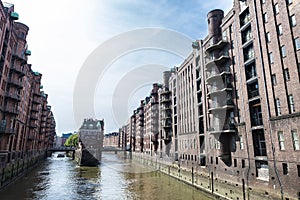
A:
(267, 100)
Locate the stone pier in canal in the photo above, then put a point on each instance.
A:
(90, 143)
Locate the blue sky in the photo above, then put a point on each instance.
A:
(64, 33)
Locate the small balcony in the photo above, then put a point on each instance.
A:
(245, 19)
(18, 56)
(15, 82)
(12, 96)
(18, 69)
(215, 105)
(217, 59)
(36, 100)
(167, 135)
(247, 37)
(32, 125)
(253, 91)
(255, 113)
(216, 43)
(37, 93)
(252, 94)
(249, 55)
(7, 130)
(165, 100)
(33, 117)
(217, 73)
(167, 124)
(226, 128)
(10, 110)
(34, 108)
(165, 92)
(251, 74)
(214, 90)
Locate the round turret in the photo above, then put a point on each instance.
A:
(214, 19)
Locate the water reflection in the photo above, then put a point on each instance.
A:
(115, 179)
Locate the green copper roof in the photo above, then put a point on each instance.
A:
(28, 52)
(14, 15)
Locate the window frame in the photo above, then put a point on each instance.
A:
(268, 37)
(241, 142)
(291, 103)
(295, 140)
(297, 43)
(285, 169)
(265, 17)
(287, 74)
(274, 79)
(279, 29)
(283, 51)
(281, 141)
(276, 9)
(278, 107)
(271, 57)
(293, 20)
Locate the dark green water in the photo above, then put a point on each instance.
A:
(114, 179)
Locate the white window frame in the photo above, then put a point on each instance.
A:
(283, 51)
(291, 103)
(276, 8)
(271, 57)
(278, 108)
(279, 29)
(295, 138)
(297, 43)
(293, 20)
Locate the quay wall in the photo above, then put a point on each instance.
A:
(198, 178)
(10, 172)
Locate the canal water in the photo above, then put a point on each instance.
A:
(114, 179)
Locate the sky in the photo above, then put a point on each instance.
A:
(98, 47)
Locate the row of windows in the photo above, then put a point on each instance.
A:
(295, 139)
(191, 144)
(235, 162)
(282, 48)
(285, 169)
(276, 8)
(292, 21)
(188, 157)
(286, 76)
(290, 102)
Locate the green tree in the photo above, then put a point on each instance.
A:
(72, 141)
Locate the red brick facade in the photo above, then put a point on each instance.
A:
(235, 100)
(27, 125)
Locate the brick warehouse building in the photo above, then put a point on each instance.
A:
(27, 125)
(244, 112)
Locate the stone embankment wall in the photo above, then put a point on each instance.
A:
(220, 189)
(13, 170)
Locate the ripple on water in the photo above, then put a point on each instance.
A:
(114, 179)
